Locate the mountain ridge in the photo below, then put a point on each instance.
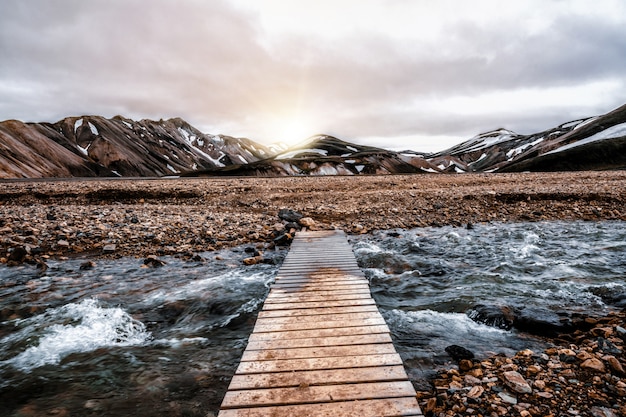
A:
(94, 146)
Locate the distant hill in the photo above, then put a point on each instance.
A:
(594, 143)
(327, 155)
(93, 146)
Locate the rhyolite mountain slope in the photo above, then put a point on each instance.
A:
(93, 146)
(593, 143)
(327, 155)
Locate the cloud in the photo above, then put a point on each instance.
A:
(357, 69)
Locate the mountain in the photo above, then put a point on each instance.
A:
(93, 146)
(327, 155)
(594, 143)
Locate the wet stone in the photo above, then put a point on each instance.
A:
(516, 382)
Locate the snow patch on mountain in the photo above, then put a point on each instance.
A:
(612, 132)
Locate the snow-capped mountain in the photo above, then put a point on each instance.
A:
(593, 143)
(327, 155)
(95, 146)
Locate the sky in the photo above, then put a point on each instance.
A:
(399, 74)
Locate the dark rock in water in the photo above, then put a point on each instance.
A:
(459, 352)
(289, 215)
(42, 267)
(87, 265)
(18, 254)
(541, 322)
(610, 296)
(153, 262)
(283, 239)
(495, 316)
(293, 225)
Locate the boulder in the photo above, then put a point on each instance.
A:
(492, 315)
(289, 215)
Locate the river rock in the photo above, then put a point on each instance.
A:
(496, 316)
(507, 397)
(153, 261)
(290, 215)
(594, 365)
(516, 382)
(540, 322)
(614, 364)
(475, 392)
(87, 265)
(18, 254)
(307, 222)
(110, 248)
(459, 352)
(602, 412)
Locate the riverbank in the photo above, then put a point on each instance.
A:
(141, 217)
(581, 375)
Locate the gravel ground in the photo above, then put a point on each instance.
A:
(139, 217)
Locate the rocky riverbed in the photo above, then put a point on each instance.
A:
(113, 218)
(582, 374)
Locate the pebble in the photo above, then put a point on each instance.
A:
(564, 380)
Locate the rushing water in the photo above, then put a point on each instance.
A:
(426, 280)
(120, 339)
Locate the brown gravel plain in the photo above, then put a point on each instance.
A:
(140, 217)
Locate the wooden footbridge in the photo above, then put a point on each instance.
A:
(320, 347)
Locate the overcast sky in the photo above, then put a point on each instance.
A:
(400, 74)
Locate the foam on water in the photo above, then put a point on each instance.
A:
(72, 328)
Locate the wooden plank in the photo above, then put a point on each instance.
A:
(361, 301)
(316, 311)
(323, 377)
(362, 289)
(317, 352)
(332, 285)
(342, 295)
(305, 334)
(388, 407)
(316, 394)
(320, 341)
(283, 327)
(309, 364)
(320, 318)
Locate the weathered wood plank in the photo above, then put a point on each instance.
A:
(323, 377)
(317, 352)
(283, 327)
(315, 394)
(363, 339)
(317, 297)
(310, 364)
(321, 291)
(394, 407)
(304, 334)
(317, 311)
(308, 287)
(320, 318)
(360, 301)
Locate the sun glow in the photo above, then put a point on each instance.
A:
(292, 132)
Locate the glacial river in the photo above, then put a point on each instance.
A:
(121, 339)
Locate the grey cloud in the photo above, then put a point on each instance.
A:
(209, 62)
